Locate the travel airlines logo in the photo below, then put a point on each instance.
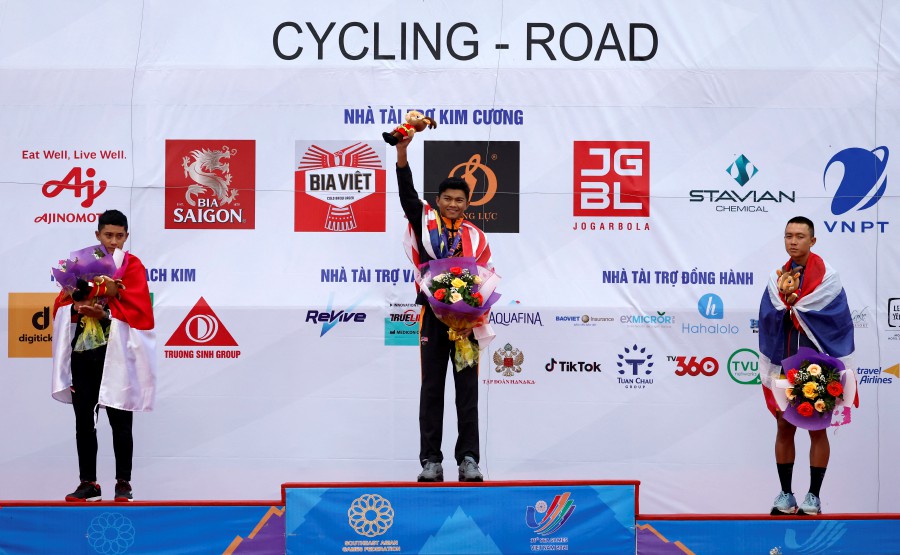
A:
(635, 362)
(329, 317)
(876, 375)
(490, 168)
(339, 186)
(544, 520)
(201, 330)
(706, 366)
(743, 367)
(858, 179)
(401, 326)
(30, 325)
(741, 170)
(611, 181)
(210, 184)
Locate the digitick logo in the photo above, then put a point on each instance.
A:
(201, 329)
(75, 181)
(612, 179)
(329, 317)
(339, 186)
(30, 325)
(210, 184)
(858, 179)
(491, 170)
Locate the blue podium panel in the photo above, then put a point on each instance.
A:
(498, 517)
(124, 528)
(727, 535)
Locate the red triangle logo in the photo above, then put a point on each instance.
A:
(201, 328)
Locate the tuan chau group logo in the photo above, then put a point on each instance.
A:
(204, 333)
(210, 184)
(339, 186)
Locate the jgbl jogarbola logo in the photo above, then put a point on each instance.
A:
(635, 364)
(491, 170)
(339, 186)
(611, 185)
(210, 184)
(858, 179)
(746, 198)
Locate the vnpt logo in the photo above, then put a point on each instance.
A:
(329, 317)
(858, 178)
(742, 170)
(711, 306)
(544, 520)
(707, 366)
(743, 367)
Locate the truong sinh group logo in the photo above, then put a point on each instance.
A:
(490, 168)
(210, 184)
(201, 330)
(339, 186)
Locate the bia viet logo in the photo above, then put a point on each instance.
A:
(544, 520)
(711, 307)
(742, 170)
(339, 186)
(612, 179)
(210, 184)
(858, 180)
(490, 168)
(201, 328)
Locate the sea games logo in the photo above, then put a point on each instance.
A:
(205, 335)
(490, 168)
(857, 179)
(30, 325)
(635, 363)
(745, 199)
(612, 185)
(401, 326)
(546, 520)
(210, 184)
(339, 186)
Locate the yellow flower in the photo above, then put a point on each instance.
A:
(455, 297)
(809, 390)
(820, 405)
(457, 282)
(814, 370)
(476, 280)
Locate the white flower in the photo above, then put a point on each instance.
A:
(814, 370)
(455, 297)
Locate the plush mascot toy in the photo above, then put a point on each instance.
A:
(788, 284)
(415, 121)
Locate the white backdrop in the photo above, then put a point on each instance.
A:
(704, 90)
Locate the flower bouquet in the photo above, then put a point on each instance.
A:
(460, 293)
(814, 385)
(83, 276)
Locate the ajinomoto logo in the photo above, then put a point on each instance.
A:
(201, 330)
(30, 324)
(339, 186)
(210, 184)
(490, 168)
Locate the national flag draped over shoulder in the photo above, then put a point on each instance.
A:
(474, 242)
(821, 311)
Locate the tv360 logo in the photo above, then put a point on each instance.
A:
(707, 366)
(612, 178)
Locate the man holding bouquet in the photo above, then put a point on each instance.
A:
(818, 318)
(103, 352)
(439, 234)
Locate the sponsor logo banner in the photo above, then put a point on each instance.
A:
(200, 330)
(611, 181)
(401, 326)
(30, 325)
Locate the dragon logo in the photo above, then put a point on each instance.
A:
(508, 360)
(207, 171)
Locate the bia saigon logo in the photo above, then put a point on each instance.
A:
(210, 184)
(544, 520)
(200, 330)
(339, 186)
(612, 180)
(490, 168)
(858, 180)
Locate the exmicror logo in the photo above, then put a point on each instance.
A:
(30, 324)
